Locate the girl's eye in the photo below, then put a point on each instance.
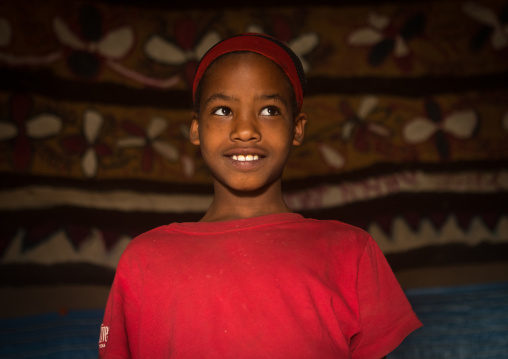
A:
(222, 111)
(270, 111)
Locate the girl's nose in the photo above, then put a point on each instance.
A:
(245, 128)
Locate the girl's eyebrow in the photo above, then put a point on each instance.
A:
(275, 97)
(219, 96)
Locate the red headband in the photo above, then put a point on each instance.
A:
(261, 44)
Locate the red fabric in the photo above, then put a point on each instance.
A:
(276, 286)
(255, 43)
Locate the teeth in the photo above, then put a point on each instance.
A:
(243, 158)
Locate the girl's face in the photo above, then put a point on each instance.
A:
(245, 125)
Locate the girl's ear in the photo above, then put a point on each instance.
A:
(300, 122)
(194, 130)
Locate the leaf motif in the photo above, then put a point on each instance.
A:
(364, 37)
(188, 166)
(255, 29)
(156, 127)
(331, 156)
(161, 50)
(166, 150)
(461, 124)
(401, 48)
(418, 130)
(367, 105)
(206, 43)
(89, 163)
(44, 125)
(7, 131)
(66, 36)
(378, 21)
(116, 44)
(480, 13)
(304, 44)
(378, 129)
(185, 131)
(92, 125)
(347, 129)
(499, 39)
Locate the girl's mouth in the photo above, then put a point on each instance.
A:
(245, 158)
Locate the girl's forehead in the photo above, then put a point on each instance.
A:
(251, 67)
(245, 64)
(237, 59)
(242, 77)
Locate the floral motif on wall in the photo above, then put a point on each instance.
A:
(385, 38)
(332, 157)
(184, 50)
(23, 127)
(302, 44)
(494, 27)
(6, 35)
(148, 141)
(357, 127)
(459, 124)
(89, 50)
(87, 145)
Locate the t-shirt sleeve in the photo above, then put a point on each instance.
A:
(385, 314)
(120, 326)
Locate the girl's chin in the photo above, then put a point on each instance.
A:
(253, 188)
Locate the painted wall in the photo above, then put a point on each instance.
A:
(407, 137)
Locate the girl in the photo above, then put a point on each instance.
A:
(252, 279)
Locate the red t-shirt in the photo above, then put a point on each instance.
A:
(275, 286)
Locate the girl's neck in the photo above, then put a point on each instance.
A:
(228, 204)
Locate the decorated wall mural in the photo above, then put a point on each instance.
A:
(407, 136)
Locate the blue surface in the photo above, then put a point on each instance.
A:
(467, 322)
(74, 335)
